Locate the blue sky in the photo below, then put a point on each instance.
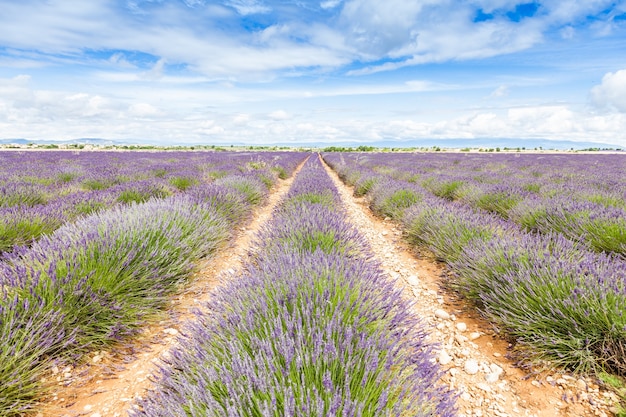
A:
(265, 71)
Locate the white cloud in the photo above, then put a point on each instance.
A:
(16, 88)
(246, 7)
(611, 92)
(241, 119)
(156, 72)
(544, 120)
(143, 110)
(330, 4)
(376, 28)
(208, 127)
(118, 59)
(279, 115)
(501, 91)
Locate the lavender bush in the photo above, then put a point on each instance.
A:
(30, 335)
(559, 301)
(600, 227)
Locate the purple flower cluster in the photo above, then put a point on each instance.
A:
(558, 298)
(309, 329)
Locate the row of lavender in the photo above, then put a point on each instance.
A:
(97, 280)
(311, 328)
(559, 300)
(40, 191)
(580, 196)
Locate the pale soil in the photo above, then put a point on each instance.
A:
(107, 385)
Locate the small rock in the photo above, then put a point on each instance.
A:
(492, 377)
(474, 335)
(483, 386)
(171, 331)
(460, 326)
(413, 280)
(496, 369)
(444, 358)
(460, 339)
(581, 385)
(471, 367)
(96, 415)
(88, 407)
(97, 359)
(442, 314)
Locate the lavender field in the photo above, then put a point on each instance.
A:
(93, 244)
(537, 242)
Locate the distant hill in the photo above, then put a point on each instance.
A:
(388, 143)
(91, 141)
(480, 143)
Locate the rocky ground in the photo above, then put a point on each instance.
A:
(475, 359)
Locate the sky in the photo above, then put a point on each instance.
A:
(303, 71)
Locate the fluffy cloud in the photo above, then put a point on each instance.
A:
(611, 93)
(143, 110)
(279, 115)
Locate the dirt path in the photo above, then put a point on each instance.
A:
(111, 381)
(475, 359)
